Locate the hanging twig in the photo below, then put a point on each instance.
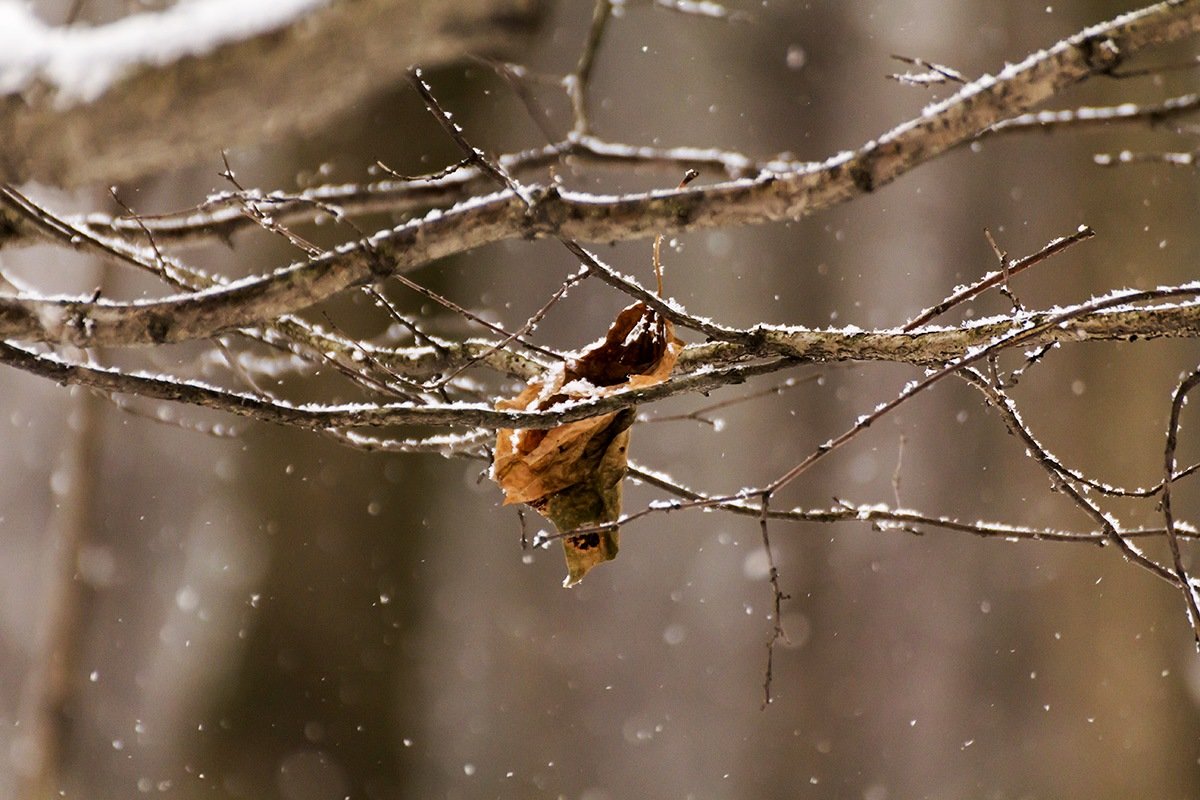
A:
(777, 597)
(1186, 584)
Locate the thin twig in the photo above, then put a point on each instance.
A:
(474, 155)
(1008, 340)
(1185, 583)
(699, 414)
(432, 177)
(1111, 528)
(442, 300)
(1005, 287)
(880, 516)
(897, 472)
(1016, 337)
(1097, 117)
(777, 597)
(576, 84)
(1157, 69)
(466, 444)
(999, 277)
(934, 75)
(530, 324)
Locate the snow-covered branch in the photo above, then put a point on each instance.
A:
(766, 197)
(422, 383)
(81, 105)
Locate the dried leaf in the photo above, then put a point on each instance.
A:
(572, 473)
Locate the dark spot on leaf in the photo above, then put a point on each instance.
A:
(587, 541)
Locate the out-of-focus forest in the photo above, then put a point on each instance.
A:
(276, 615)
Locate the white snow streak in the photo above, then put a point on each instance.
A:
(81, 63)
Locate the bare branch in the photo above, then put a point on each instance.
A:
(1000, 276)
(1099, 117)
(1108, 524)
(956, 120)
(880, 516)
(577, 82)
(934, 75)
(1019, 336)
(701, 414)
(1186, 584)
(913, 388)
(777, 597)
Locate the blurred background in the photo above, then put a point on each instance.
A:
(277, 616)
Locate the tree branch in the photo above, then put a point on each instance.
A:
(769, 197)
(81, 105)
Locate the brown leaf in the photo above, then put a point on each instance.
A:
(572, 473)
